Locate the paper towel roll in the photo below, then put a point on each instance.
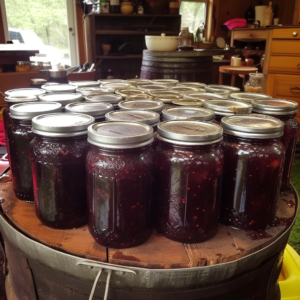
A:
(260, 14)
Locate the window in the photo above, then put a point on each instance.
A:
(193, 13)
(43, 24)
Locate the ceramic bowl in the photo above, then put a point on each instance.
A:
(162, 43)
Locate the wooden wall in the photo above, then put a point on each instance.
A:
(224, 10)
(2, 36)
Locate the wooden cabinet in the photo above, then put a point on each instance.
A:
(118, 29)
(282, 59)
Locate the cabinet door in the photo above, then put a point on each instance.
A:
(282, 64)
(280, 47)
(284, 87)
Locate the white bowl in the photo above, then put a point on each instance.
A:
(162, 43)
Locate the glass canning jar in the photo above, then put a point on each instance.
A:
(7, 120)
(188, 113)
(285, 111)
(19, 137)
(185, 40)
(58, 154)
(96, 110)
(187, 176)
(119, 171)
(253, 163)
(227, 107)
(142, 116)
(64, 99)
(255, 83)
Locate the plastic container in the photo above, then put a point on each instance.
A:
(285, 111)
(58, 155)
(253, 164)
(225, 108)
(119, 194)
(19, 137)
(187, 177)
(289, 279)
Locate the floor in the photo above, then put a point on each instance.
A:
(294, 240)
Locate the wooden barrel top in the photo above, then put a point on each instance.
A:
(157, 252)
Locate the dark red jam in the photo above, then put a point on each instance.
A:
(251, 179)
(289, 140)
(286, 111)
(119, 192)
(20, 136)
(59, 180)
(187, 181)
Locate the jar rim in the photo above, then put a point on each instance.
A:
(120, 135)
(185, 132)
(147, 104)
(253, 126)
(61, 124)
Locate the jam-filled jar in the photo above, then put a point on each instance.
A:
(142, 116)
(188, 113)
(119, 170)
(253, 163)
(58, 154)
(19, 137)
(96, 110)
(187, 176)
(225, 108)
(64, 98)
(111, 98)
(285, 111)
(6, 113)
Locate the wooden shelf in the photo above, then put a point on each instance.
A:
(137, 16)
(133, 32)
(119, 57)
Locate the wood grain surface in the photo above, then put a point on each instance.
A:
(157, 252)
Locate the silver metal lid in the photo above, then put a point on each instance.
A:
(189, 132)
(120, 135)
(139, 97)
(92, 109)
(104, 81)
(81, 84)
(61, 124)
(228, 107)
(253, 126)
(24, 92)
(112, 99)
(138, 81)
(63, 99)
(248, 97)
(141, 116)
(152, 105)
(168, 82)
(87, 91)
(28, 110)
(20, 99)
(129, 92)
(166, 96)
(115, 86)
(153, 87)
(188, 102)
(197, 85)
(184, 89)
(59, 88)
(188, 113)
(275, 106)
(203, 96)
(229, 88)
